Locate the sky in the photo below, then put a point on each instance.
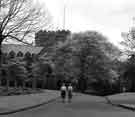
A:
(109, 17)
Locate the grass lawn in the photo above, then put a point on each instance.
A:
(18, 91)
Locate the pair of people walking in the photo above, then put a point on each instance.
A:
(66, 91)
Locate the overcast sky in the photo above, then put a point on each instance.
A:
(110, 17)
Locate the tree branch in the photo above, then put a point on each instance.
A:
(19, 40)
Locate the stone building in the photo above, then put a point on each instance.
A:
(43, 38)
(20, 49)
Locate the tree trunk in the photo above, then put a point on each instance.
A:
(0, 59)
(15, 84)
(0, 81)
(82, 80)
(34, 83)
(7, 84)
(0, 54)
(7, 80)
(24, 84)
(1, 40)
(44, 83)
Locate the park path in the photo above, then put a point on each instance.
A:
(16, 103)
(81, 106)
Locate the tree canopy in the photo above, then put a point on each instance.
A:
(20, 18)
(87, 55)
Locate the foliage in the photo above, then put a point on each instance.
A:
(129, 73)
(92, 55)
(86, 59)
(86, 56)
(129, 40)
(17, 71)
(20, 19)
(14, 71)
(42, 71)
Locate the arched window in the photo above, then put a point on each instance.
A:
(33, 55)
(11, 54)
(27, 54)
(28, 57)
(19, 54)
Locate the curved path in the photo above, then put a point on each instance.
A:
(81, 106)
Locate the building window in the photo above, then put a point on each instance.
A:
(19, 54)
(11, 54)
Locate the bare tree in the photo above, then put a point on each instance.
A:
(128, 41)
(19, 19)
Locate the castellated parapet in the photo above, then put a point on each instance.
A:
(45, 37)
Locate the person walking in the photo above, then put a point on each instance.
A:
(70, 91)
(63, 92)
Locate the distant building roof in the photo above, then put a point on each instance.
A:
(6, 48)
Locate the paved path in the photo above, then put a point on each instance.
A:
(81, 106)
